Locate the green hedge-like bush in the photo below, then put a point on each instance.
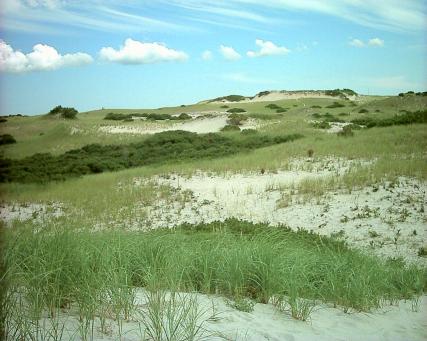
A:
(7, 139)
(236, 110)
(169, 146)
(403, 119)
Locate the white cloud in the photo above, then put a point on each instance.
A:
(136, 52)
(229, 53)
(267, 48)
(42, 58)
(207, 55)
(357, 43)
(376, 42)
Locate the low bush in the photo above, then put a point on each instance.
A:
(236, 119)
(230, 98)
(230, 127)
(273, 106)
(335, 105)
(316, 107)
(346, 131)
(322, 125)
(68, 113)
(363, 111)
(3, 120)
(7, 139)
(402, 119)
(236, 110)
(164, 147)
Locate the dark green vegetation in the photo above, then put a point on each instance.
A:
(170, 146)
(233, 258)
(335, 105)
(152, 117)
(69, 113)
(230, 98)
(236, 119)
(412, 93)
(236, 110)
(7, 139)
(230, 127)
(340, 92)
(401, 119)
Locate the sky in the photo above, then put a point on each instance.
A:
(90, 54)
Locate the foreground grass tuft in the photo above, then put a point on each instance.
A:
(97, 273)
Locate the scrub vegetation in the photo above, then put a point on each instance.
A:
(89, 264)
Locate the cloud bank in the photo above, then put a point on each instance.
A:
(42, 58)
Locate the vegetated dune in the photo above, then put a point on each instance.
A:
(278, 95)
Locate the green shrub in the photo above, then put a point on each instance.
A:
(184, 116)
(230, 98)
(322, 125)
(230, 127)
(224, 106)
(236, 110)
(403, 119)
(363, 111)
(249, 131)
(236, 119)
(346, 131)
(316, 107)
(2, 120)
(164, 147)
(273, 106)
(335, 105)
(7, 139)
(281, 110)
(68, 113)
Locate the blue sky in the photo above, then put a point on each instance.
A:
(152, 53)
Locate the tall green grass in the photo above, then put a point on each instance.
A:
(97, 273)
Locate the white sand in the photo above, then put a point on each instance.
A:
(388, 220)
(39, 213)
(200, 125)
(391, 323)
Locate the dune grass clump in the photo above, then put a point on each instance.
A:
(95, 274)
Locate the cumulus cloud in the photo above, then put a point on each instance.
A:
(267, 48)
(357, 43)
(207, 55)
(376, 42)
(136, 52)
(42, 58)
(229, 53)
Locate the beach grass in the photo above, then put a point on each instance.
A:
(95, 274)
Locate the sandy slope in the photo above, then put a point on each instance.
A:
(222, 322)
(200, 125)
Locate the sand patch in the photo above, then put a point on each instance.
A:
(221, 322)
(199, 125)
(37, 213)
(387, 219)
